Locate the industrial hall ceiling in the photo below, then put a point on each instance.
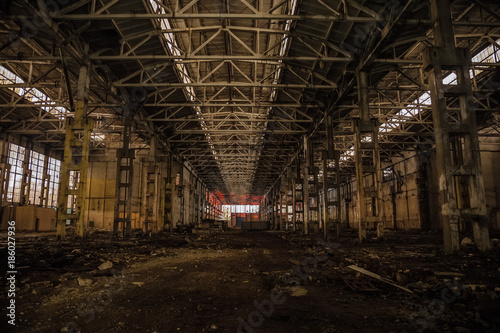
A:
(233, 87)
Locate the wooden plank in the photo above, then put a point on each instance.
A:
(378, 277)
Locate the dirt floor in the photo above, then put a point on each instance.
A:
(252, 282)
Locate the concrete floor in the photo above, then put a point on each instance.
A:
(227, 283)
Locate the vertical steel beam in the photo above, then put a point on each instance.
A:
(180, 192)
(367, 163)
(151, 189)
(305, 185)
(124, 180)
(317, 208)
(277, 206)
(338, 206)
(26, 179)
(289, 195)
(44, 193)
(200, 203)
(294, 204)
(326, 217)
(327, 184)
(334, 155)
(283, 203)
(299, 192)
(76, 162)
(458, 160)
(169, 197)
(4, 170)
(203, 202)
(274, 207)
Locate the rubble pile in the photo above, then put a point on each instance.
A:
(407, 272)
(466, 286)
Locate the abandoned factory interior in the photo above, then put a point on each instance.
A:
(245, 166)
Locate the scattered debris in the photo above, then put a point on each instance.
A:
(357, 284)
(105, 265)
(467, 242)
(138, 283)
(296, 291)
(401, 278)
(378, 277)
(448, 274)
(413, 260)
(84, 282)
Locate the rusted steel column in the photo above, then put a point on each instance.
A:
(73, 191)
(367, 164)
(458, 160)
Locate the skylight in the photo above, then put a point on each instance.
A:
(33, 95)
(174, 49)
(38, 98)
(490, 54)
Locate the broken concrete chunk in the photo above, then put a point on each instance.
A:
(138, 283)
(105, 265)
(296, 291)
(84, 282)
(467, 242)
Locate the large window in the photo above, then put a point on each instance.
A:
(36, 164)
(16, 159)
(240, 209)
(54, 170)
